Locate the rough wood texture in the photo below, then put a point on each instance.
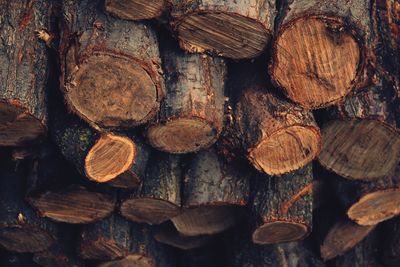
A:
(158, 198)
(212, 190)
(323, 46)
(108, 239)
(233, 29)
(21, 229)
(135, 9)
(282, 207)
(277, 135)
(110, 67)
(361, 140)
(23, 71)
(191, 115)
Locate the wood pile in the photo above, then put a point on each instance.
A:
(199, 133)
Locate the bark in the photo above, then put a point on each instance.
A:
(158, 197)
(103, 56)
(282, 207)
(21, 229)
(191, 115)
(136, 9)
(233, 29)
(24, 70)
(344, 29)
(361, 137)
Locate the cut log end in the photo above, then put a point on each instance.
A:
(149, 210)
(101, 249)
(286, 150)
(25, 239)
(316, 61)
(376, 207)
(109, 157)
(127, 180)
(131, 261)
(360, 149)
(182, 135)
(135, 9)
(279, 232)
(226, 34)
(18, 127)
(112, 91)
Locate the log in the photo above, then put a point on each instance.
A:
(213, 192)
(191, 115)
(110, 71)
(390, 253)
(23, 72)
(361, 138)
(277, 135)
(158, 198)
(233, 29)
(135, 9)
(323, 46)
(108, 239)
(21, 229)
(282, 207)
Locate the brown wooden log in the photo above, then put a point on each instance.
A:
(108, 239)
(24, 70)
(282, 207)
(322, 46)
(213, 191)
(191, 115)
(158, 198)
(390, 252)
(277, 135)
(110, 67)
(361, 140)
(21, 229)
(135, 9)
(233, 29)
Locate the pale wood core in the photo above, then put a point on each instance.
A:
(279, 232)
(112, 92)
(149, 210)
(131, 261)
(17, 126)
(226, 34)
(286, 150)
(182, 135)
(135, 9)
(111, 156)
(25, 239)
(316, 61)
(360, 149)
(376, 207)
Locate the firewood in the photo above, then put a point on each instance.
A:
(135, 9)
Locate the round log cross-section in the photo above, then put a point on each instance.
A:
(135, 9)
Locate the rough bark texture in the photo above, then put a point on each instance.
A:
(103, 56)
(158, 198)
(135, 9)
(23, 71)
(21, 229)
(233, 29)
(191, 115)
(282, 207)
(330, 44)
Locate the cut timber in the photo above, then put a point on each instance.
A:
(233, 29)
(158, 197)
(108, 239)
(342, 237)
(23, 71)
(135, 9)
(191, 115)
(212, 193)
(277, 135)
(110, 70)
(321, 49)
(361, 140)
(21, 229)
(391, 243)
(167, 234)
(282, 207)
